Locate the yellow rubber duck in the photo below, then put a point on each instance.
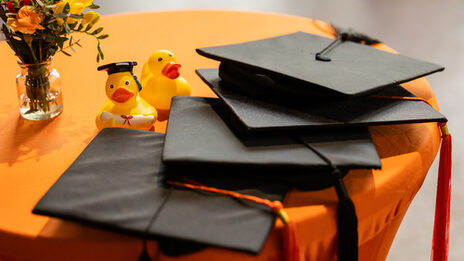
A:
(161, 81)
(124, 107)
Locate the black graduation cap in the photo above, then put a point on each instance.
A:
(201, 138)
(121, 67)
(265, 114)
(200, 133)
(118, 183)
(287, 66)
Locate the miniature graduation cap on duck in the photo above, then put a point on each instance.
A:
(124, 107)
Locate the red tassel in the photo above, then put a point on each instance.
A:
(291, 247)
(442, 206)
(290, 238)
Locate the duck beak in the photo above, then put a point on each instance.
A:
(121, 95)
(171, 70)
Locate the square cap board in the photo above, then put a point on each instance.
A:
(117, 183)
(264, 115)
(354, 69)
(199, 136)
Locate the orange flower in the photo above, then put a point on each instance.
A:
(27, 21)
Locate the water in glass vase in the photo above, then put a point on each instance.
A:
(39, 91)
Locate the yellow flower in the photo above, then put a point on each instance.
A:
(88, 17)
(27, 21)
(75, 7)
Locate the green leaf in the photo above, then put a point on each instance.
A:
(78, 44)
(97, 31)
(94, 6)
(66, 53)
(39, 2)
(98, 58)
(80, 27)
(66, 28)
(66, 8)
(103, 36)
(88, 27)
(61, 15)
(76, 16)
(72, 26)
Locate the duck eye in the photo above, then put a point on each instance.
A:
(112, 86)
(127, 82)
(160, 59)
(170, 55)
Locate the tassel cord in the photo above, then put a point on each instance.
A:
(440, 238)
(347, 221)
(145, 256)
(290, 238)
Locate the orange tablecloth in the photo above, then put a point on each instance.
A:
(34, 155)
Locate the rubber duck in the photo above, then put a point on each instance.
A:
(161, 81)
(124, 107)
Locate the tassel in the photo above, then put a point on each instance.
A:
(290, 238)
(442, 205)
(347, 222)
(145, 256)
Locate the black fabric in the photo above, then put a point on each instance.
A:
(287, 65)
(198, 137)
(117, 183)
(267, 115)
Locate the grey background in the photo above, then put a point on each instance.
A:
(424, 29)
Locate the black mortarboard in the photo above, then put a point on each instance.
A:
(274, 114)
(117, 183)
(121, 67)
(199, 134)
(287, 65)
(201, 138)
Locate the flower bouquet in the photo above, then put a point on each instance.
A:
(36, 30)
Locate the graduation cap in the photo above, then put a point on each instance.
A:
(287, 65)
(258, 114)
(118, 183)
(201, 138)
(121, 67)
(303, 81)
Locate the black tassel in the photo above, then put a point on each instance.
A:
(343, 35)
(145, 256)
(354, 36)
(347, 222)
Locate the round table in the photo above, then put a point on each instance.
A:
(33, 155)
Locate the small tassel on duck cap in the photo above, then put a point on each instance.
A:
(290, 238)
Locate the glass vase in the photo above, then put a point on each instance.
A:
(39, 91)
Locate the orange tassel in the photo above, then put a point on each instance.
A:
(442, 205)
(290, 238)
(291, 246)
